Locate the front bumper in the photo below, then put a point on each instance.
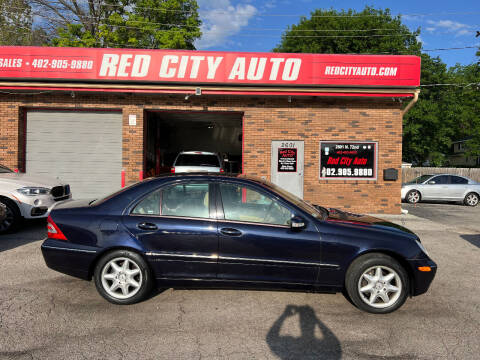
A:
(33, 207)
(422, 279)
(68, 258)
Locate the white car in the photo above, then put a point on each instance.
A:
(28, 197)
(197, 161)
(442, 187)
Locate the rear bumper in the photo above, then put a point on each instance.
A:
(68, 258)
(422, 279)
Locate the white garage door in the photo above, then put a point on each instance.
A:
(83, 149)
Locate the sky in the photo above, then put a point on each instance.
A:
(256, 25)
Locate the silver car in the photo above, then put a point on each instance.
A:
(443, 187)
(197, 161)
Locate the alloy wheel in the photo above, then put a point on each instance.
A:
(472, 199)
(121, 278)
(414, 197)
(379, 287)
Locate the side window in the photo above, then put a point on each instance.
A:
(441, 180)
(186, 200)
(242, 203)
(149, 206)
(458, 180)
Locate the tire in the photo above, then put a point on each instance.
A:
(13, 218)
(368, 265)
(471, 199)
(111, 269)
(413, 196)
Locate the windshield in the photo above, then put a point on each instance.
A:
(420, 179)
(319, 213)
(4, 170)
(197, 160)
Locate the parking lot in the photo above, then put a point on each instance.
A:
(44, 314)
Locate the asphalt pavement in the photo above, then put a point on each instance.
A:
(47, 315)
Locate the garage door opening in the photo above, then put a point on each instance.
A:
(169, 133)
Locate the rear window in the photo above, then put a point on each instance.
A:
(458, 180)
(197, 160)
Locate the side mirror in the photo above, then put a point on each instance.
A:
(431, 182)
(297, 223)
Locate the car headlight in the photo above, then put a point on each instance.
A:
(33, 191)
(420, 245)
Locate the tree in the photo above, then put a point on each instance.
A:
(463, 106)
(171, 24)
(347, 31)
(16, 26)
(426, 131)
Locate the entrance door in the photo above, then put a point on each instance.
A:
(287, 165)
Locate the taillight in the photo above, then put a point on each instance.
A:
(53, 232)
(172, 170)
(221, 170)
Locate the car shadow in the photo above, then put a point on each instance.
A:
(309, 345)
(28, 232)
(473, 239)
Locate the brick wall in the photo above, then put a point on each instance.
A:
(265, 119)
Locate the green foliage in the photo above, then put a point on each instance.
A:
(16, 24)
(172, 24)
(443, 113)
(342, 41)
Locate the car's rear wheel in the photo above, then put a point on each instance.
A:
(471, 199)
(122, 277)
(377, 283)
(413, 196)
(12, 219)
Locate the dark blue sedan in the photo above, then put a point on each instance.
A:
(232, 231)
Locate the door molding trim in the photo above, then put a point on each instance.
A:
(231, 258)
(289, 262)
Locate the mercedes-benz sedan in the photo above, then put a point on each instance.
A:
(232, 231)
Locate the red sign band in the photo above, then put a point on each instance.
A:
(208, 67)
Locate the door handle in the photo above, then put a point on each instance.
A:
(147, 226)
(230, 232)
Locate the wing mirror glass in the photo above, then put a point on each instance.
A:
(297, 223)
(431, 182)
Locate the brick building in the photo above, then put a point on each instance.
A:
(127, 113)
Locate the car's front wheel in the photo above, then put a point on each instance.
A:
(471, 199)
(413, 196)
(122, 277)
(377, 283)
(12, 218)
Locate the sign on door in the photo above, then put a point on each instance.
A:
(287, 165)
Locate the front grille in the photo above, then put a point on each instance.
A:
(60, 192)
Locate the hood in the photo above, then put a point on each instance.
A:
(342, 217)
(22, 180)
